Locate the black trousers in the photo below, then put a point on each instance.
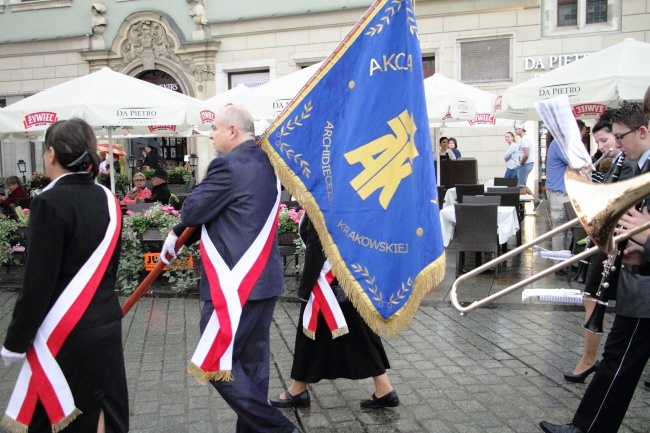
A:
(627, 350)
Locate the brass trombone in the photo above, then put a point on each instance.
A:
(598, 206)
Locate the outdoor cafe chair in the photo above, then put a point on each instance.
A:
(476, 231)
(464, 189)
(506, 181)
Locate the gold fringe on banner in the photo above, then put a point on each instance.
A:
(309, 333)
(56, 428)
(205, 376)
(12, 425)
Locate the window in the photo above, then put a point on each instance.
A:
(596, 11)
(485, 60)
(3, 103)
(570, 17)
(28, 5)
(429, 66)
(567, 13)
(249, 79)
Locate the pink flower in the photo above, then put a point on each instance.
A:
(26, 210)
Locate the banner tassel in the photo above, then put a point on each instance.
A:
(203, 377)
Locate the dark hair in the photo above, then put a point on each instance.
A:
(442, 138)
(646, 101)
(631, 114)
(581, 124)
(454, 140)
(74, 144)
(602, 124)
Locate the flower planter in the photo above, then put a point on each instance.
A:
(152, 234)
(287, 238)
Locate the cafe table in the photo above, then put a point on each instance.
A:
(507, 223)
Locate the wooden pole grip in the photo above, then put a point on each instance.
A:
(155, 272)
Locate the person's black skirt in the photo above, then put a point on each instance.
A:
(356, 355)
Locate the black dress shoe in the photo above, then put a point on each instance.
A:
(579, 378)
(389, 400)
(556, 428)
(300, 400)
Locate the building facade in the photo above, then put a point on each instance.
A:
(206, 47)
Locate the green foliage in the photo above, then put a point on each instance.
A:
(22, 216)
(147, 171)
(8, 234)
(121, 182)
(131, 266)
(179, 175)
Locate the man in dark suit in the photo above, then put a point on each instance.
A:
(160, 192)
(231, 210)
(627, 348)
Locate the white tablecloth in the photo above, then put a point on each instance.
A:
(451, 197)
(507, 221)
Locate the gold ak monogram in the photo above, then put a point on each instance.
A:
(386, 160)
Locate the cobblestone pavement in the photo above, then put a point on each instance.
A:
(495, 370)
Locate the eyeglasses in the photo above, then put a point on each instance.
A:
(619, 138)
(139, 180)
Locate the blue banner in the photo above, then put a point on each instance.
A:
(354, 148)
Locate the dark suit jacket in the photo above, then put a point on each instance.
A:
(234, 201)
(67, 223)
(159, 193)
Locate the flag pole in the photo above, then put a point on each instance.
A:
(155, 272)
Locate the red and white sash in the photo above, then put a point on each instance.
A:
(322, 300)
(41, 377)
(229, 289)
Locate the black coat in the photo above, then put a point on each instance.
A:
(67, 223)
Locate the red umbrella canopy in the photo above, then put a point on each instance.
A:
(117, 151)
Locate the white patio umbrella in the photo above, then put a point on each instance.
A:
(267, 101)
(107, 100)
(231, 96)
(458, 105)
(593, 83)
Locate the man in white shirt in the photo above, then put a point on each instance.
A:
(526, 160)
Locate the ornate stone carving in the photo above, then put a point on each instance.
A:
(199, 13)
(148, 40)
(98, 20)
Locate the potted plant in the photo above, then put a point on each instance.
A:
(146, 170)
(179, 175)
(38, 180)
(288, 219)
(121, 181)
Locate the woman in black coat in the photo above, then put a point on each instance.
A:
(68, 308)
(359, 354)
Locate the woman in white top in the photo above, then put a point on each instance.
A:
(511, 157)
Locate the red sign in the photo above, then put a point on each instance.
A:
(207, 116)
(589, 109)
(39, 119)
(483, 119)
(497, 102)
(154, 128)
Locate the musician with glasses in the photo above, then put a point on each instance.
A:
(602, 133)
(627, 348)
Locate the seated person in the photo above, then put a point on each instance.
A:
(160, 191)
(139, 193)
(15, 191)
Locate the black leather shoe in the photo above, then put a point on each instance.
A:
(389, 400)
(579, 378)
(300, 400)
(555, 428)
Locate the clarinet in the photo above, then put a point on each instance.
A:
(612, 266)
(583, 265)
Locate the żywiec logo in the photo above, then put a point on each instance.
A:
(207, 116)
(497, 102)
(154, 128)
(39, 119)
(589, 109)
(483, 119)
